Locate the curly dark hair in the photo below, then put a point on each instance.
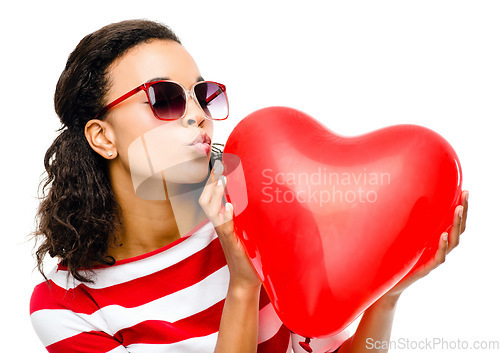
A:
(78, 213)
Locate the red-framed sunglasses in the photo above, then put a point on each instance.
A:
(168, 99)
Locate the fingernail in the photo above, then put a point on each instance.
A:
(467, 197)
(228, 206)
(218, 167)
(222, 180)
(445, 236)
(460, 212)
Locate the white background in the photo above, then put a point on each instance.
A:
(356, 66)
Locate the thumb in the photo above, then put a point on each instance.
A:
(228, 212)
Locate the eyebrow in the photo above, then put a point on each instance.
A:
(199, 79)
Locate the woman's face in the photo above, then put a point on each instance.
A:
(148, 147)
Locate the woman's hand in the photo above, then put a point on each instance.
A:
(447, 243)
(241, 271)
(376, 322)
(238, 329)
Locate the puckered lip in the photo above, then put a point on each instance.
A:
(201, 137)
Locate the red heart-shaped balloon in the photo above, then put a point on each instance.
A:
(329, 222)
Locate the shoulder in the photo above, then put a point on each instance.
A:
(60, 291)
(64, 311)
(49, 294)
(60, 308)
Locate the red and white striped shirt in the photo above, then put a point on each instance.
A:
(168, 300)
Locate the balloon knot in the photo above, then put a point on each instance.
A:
(305, 345)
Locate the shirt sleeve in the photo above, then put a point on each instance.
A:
(64, 329)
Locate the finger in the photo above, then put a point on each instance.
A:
(217, 170)
(227, 219)
(215, 207)
(208, 190)
(465, 204)
(454, 236)
(225, 232)
(228, 214)
(440, 255)
(218, 192)
(438, 258)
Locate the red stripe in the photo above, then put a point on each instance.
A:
(264, 298)
(51, 296)
(139, 291)
(201, 324)
(276, 344)
(165, 282)
(85, 342)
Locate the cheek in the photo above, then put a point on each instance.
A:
(160, 151)
(164, 146)
(151, 149)
(130, 127)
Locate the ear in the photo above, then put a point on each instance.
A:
(100, 137)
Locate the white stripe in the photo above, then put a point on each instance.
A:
(269, 323)
(174, 307)
(191, 345)
(53, 325)
(289, 349)
(113, 275)
(119, 349)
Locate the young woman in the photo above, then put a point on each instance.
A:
(149, 261)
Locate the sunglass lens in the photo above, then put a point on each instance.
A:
(213, 100)
(167, 99)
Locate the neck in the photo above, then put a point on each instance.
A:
(162, 213)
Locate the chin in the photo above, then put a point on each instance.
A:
(192, 172)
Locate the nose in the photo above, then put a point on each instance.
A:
(194, 114)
